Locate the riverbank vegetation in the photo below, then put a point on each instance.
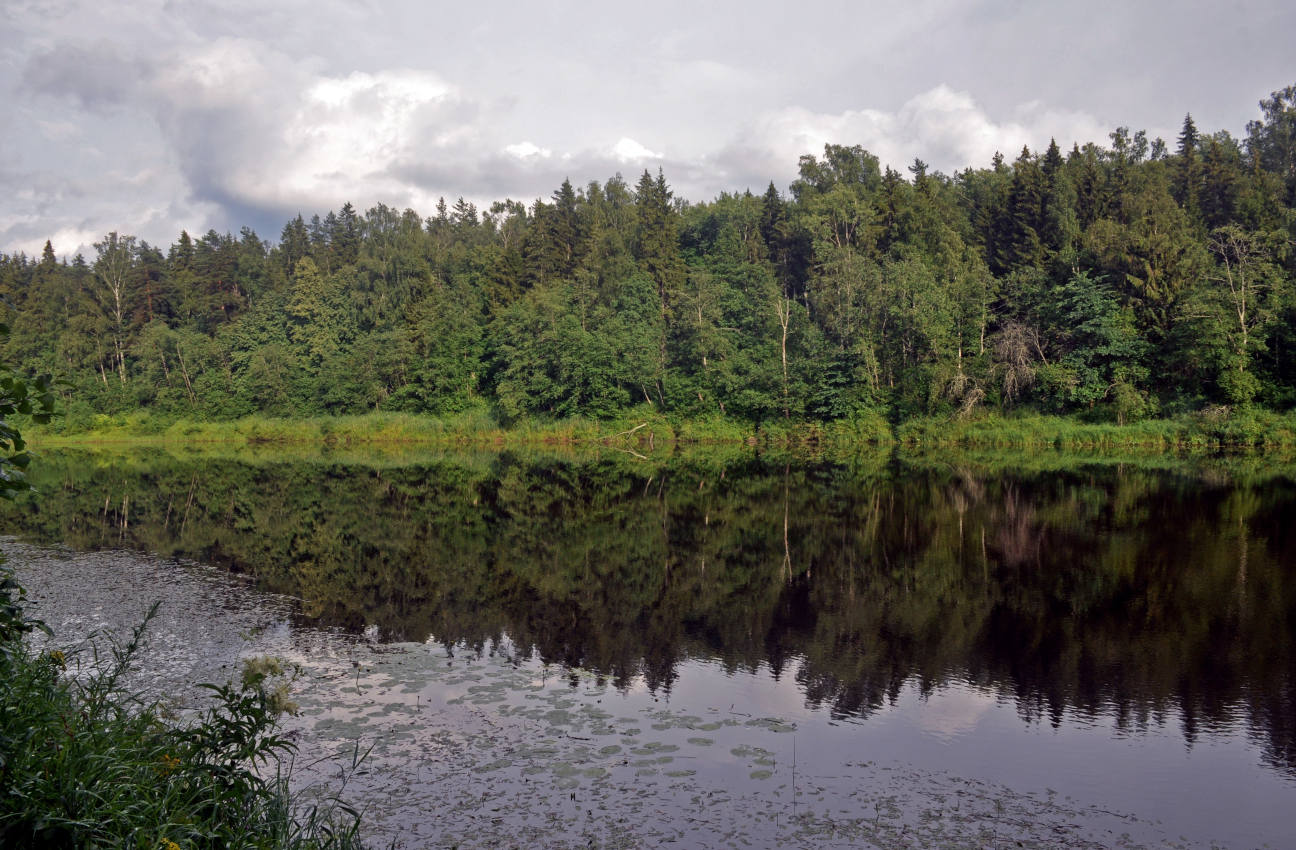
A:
(638, 431)
(643, 432)
(1122, 283)
(88, 763)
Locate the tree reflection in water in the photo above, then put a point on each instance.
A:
(1097, 589)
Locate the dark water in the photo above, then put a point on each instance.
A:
(1120, 633)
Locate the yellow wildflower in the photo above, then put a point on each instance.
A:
(168, 844)
(58, 659)
(169, 764)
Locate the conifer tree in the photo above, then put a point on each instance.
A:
(656, 249)
(345, 237)
(294, 245)
(1221, 176)
(1022, 220)
(1187, 172)
(564, 228)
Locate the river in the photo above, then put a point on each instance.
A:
(721, 650)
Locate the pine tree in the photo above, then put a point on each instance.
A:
(891, 205)
(656, 249)
(181, 255)
(1023, 215)
(1089, 203)
(294, 244)
(564, 228)
(1058, 216)
(464, 217)
(1052, 161)
(773, 219)
(541, 254)
(345, 236)
(1187, 171)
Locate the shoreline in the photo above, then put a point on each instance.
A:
(1212, 431)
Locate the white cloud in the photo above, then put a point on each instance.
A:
(227, 73)
(259, 111)
(348, 131)
(942, 126)
(952, 711)
(68, 241)
(526, 150)
(628, 150)
(253, 131)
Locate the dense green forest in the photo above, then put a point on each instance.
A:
(1139, 279)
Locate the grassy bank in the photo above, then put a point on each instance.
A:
(85, 763)
(1213, 430)
(645, 432)
(640, 431)
(375, 429)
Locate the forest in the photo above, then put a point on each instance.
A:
(1139, 279)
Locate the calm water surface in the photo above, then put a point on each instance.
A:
(884, 651)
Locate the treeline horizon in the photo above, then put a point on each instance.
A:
(1118, 282)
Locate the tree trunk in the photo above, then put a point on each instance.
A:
(784, 309)
(184, 370)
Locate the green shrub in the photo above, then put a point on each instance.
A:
(85, 763)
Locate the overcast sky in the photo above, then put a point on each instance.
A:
(156, 115)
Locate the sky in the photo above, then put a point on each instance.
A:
(154, 116)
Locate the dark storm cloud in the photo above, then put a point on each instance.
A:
(95, 75)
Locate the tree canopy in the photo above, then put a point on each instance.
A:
(1114, 282)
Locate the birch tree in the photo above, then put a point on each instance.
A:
(112, 271)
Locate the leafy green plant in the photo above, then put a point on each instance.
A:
(84, 762)
(18, 396)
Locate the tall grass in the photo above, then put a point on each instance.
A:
(85, 763)
(643, 431)
(477, 429)
(1212, 429)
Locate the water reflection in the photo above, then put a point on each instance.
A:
(1115, 593)
(951, 713)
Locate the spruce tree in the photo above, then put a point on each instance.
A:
(1187, 172)
(294, 244)
(1023, 216)
(656, 249)
(345, 238)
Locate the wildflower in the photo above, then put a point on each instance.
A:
(58, 659)
(168, 844)
(169, 764)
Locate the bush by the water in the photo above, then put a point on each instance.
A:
(87, 763)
